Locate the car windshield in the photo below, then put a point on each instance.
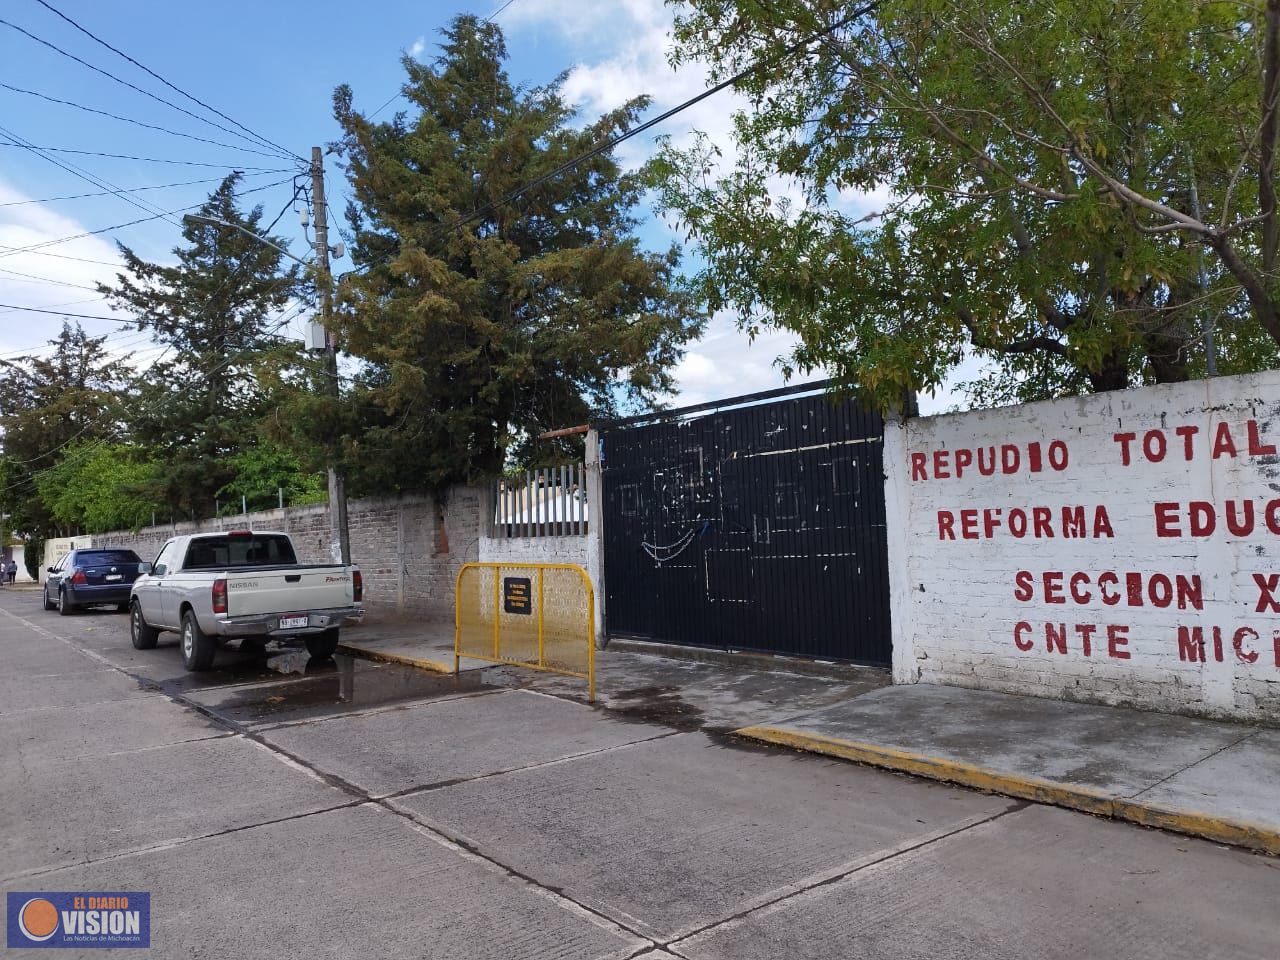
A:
(239, 550)
(95, 557)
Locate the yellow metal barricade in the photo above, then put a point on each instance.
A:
(537, 615)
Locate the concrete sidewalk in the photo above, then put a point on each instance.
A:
(425, 644)
(1220, 781)
(712, 695)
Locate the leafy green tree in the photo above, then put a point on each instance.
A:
(264, 469)
(533, 314)
(213, 313)
(1033, 167)
(54, 407)
(101, 487)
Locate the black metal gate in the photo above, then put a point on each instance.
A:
(757, 526)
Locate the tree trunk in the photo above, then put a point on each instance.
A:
(1167, 355)
(1113, 374)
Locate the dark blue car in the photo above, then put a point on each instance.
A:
(87, 578)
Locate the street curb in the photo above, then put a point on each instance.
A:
(422, 663)
(1237, 833)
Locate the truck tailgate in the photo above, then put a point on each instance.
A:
(288, 590)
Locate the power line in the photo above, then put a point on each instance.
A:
(64, 303)
(67, 256)
(171, 86)
(11, 251)
(607, 145)
(93, 446)
(137, 380)
(126, 335)
(131, 86)
(149, 126)
(499, 10)
(128, 156)
(82, 173)
(62, 313)
(107, 193)
(34, 278)
(90, 448)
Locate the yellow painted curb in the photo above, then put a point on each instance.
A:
(435, 666)
(1237, 833)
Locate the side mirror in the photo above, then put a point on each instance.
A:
(144, 568)
(50, 570)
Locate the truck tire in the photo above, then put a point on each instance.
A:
(323, 645)
(198, 648)
(49, 604)
(141, 633)
(65, 607)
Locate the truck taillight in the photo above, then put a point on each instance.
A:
(78, 578)
(357, 586)
(220, 596)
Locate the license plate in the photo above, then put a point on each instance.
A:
(287, 623)
(114, 576)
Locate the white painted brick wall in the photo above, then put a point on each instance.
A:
(955, 610)
(583, 550)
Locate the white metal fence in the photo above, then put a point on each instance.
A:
(549, 502)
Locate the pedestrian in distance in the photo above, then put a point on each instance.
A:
(12, 570)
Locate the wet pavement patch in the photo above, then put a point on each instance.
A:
(306, 688)
(658, 704)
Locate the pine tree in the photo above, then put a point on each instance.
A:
(213, 314)
(51, 406)
(535, 314)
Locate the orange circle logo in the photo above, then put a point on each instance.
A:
(38, 919)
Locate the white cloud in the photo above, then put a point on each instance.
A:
(726, 363)
(75, 266)
(416, 48)
(24, 275)
(636, 39)
(636, 64)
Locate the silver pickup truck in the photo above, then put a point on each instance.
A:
(243, 584)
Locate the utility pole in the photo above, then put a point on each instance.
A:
(1202, 277)
(339, 536)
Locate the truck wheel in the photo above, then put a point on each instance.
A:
(198, 648)
(143, 636)
(49, 604)
(322, 645)
(65, 607)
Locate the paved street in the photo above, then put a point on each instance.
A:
(288, 808)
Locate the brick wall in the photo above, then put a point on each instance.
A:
(1130, 598)
(408, 548)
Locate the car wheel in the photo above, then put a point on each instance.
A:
(65, 606)
(198, 648)
(323, 644)
(48, 604)
(141, 633)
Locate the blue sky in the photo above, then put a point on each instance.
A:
(272, 67)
